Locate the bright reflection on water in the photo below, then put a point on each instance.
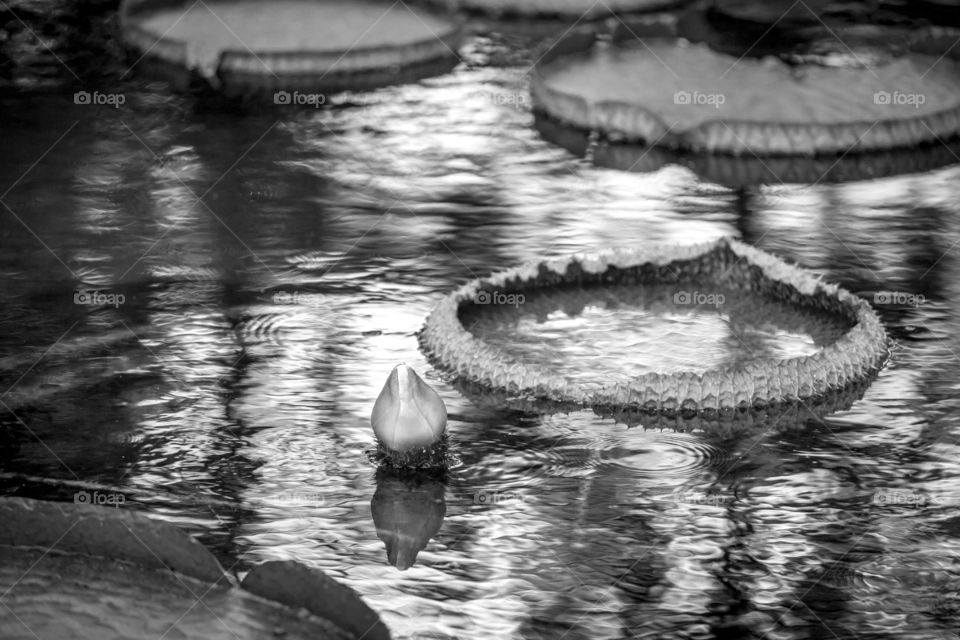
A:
(621, 332)
(274, 266)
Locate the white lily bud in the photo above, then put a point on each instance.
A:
(408, 413)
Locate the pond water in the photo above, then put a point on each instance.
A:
(616, 333)
(202, 303)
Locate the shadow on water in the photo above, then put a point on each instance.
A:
(275, 264)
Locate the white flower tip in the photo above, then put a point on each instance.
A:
(408, 413)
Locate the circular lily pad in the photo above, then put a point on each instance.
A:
(750, 170)
(771, 377)
(79, 571)
(652, 87)
(583, 9)
(311, 45)
(781, 416)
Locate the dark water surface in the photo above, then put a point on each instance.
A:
(201, 304)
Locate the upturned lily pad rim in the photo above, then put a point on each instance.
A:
(115, 534)
(733, 135)
(748, 170)
(857, 355)
(267, 69)
(729, 420)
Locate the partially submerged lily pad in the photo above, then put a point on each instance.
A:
(298, 585)
(309, 45)
(77, 571)
(108, 532)
(652, 87)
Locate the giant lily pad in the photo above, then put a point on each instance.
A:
(661, 90)
(750, 170)
(79, 571)
(582, 9)
(845, 356)
(311, 46)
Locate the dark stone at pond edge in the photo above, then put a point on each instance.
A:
(298, 585)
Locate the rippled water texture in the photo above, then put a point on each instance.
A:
(269, 267)
(617, 333)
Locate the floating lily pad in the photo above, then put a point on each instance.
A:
(749, 170)
(77, 571)
(783, 416)
(583, 9)
(771, 378)
(657, 89)
(298, 585)
(312, 46)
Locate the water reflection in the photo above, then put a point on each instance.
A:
(619, 332)
(277, 264)
(408, 510)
